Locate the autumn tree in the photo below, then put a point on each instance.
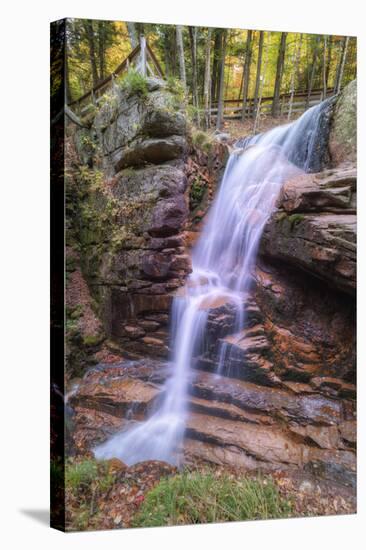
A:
(258, 71)
(182, 64)
(132, 33)
(207, 81)
(193, 43)
(89, 32)
(279, 74)
(246, 72)
(220, 107)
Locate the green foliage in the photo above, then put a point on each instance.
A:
(175, 87)
(197, 191)
(111, 41)
(194, 113)
(109, 99)
(76, 312)
(202, 140)
(134, 83)
(295, 219)
(93, 179)
(71, 327)
(86, 141)
(85, 482)
(92, 339)
(81, 474)
(205, 498)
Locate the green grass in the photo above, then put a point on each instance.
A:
(85, 482)
(81, 474)
(134, 83)
(198, 497)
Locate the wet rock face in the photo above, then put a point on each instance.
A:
(311, 329)
(315, 227)
(343, 134)
(230, 422)
(319, 155)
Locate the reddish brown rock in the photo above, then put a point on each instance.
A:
(168, 217)
(116, 396)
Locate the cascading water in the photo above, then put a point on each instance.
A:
(222, 264)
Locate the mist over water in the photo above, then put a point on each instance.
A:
(222, 263)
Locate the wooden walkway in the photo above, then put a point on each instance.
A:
(142, 58)
(233, 108)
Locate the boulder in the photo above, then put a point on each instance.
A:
(343, 133)
(116, 396)
(149, 151)
(311, 328)
(328, 191)
(323, 245)
(149, 184)
(145, 120)
(316, 231)
(278, 403)
(168, 217)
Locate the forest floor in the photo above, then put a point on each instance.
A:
(238, 129)
(109, 495)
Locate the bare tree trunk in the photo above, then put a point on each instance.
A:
(88, 26)
(182, 65)
(295, 69)
(132, 33)
(325, 67)
(220, 107)
(241, 87)
(207, 81)
(246, 73)
(312, 72)
(341, 64)
(329, 58)
(67, 72)
(167, 55)
(228, 73)
(140, 29)
(215, 63)
(170, 51)
(279, 74)
(258, 75)
(101, 49)
(218, 65)
(193, 41)
(263, 80)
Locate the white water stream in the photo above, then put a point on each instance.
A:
(223, 260)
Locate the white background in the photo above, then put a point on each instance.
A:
(24, 219)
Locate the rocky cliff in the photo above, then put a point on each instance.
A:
(139, 178)
(286, 397)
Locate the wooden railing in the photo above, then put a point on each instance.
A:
(146, 62)
(233, 108)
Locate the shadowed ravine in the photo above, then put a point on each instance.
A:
(222, 266)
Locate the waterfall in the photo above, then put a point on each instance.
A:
(222, 262)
